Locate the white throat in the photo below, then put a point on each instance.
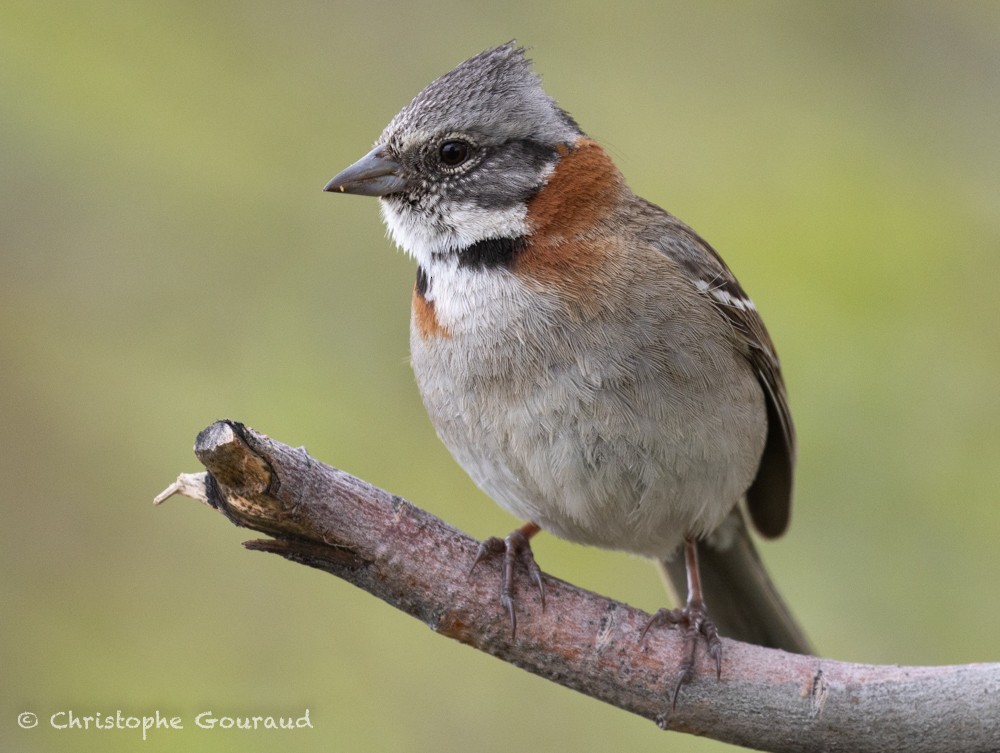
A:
(424, 235)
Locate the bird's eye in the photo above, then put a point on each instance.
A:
(454, 153)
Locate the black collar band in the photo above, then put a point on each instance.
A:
(490, 253)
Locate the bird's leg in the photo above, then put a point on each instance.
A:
(693, 621)
(513, 548)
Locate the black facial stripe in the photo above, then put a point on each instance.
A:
(535, 151)
(515, 168)
(423, 282)
(490, 253)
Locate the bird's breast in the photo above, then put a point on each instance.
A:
(601, 417)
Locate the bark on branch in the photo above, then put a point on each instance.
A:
(769, 700)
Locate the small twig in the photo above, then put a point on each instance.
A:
(187, 485)
(766, 699)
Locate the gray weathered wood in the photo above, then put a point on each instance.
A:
(766, 699)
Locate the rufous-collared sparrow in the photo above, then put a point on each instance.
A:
(588, 359)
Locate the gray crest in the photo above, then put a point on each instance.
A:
(496, 94)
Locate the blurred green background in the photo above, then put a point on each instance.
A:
(167, 258)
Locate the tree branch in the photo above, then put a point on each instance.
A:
(767, 699)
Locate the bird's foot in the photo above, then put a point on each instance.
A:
(515, 548)
(693, 622)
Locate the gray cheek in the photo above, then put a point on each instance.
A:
(506, 178)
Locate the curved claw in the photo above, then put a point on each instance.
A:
(661, 618)
(711, 634)
(693, 621)
(488, 548)
(513, 548)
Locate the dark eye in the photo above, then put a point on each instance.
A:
(454, 153)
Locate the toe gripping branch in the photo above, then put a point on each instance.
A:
(516, 547)
(693, 621)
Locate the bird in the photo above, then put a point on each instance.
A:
(588, 359)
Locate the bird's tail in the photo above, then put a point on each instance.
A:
(738, 592)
